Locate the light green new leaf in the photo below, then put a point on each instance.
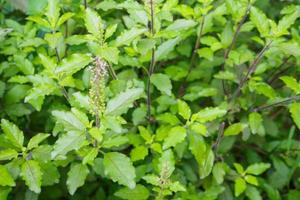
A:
(36, 140)
(138, 153)
(288, 20)
(13, 133)
(8, 154)
(123, 101)
(93, 22)
(162, 82)
(176, 135)
(64, 18)
(129, 35)
(72, 64)
(32, 175)
(48, 63)
(291, 83)
(76, 177)
(90, 156)
(68, 120)
(184, 110)
(235, 129)
(5, 178)
(256, 123)
(239, 186)
(260, 20)
(165, 48)
(209, 114)
(295, 113)
(257, 168)
(251, 179)
(166, 164)
(140, 192)
(181, 24)
(52, 12)
(119, 168)
(72, 140)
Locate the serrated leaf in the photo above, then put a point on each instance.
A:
(5, 178)
(119, 168)
(72, 64)
(295, 113)
(260, 20)
(162, 82)
(90, 156)
(257, 168)
(129, 35)
(36, 140)
(176, 135)
(72, 140)
(32, 175)
(235, 129)
(256, 123)
(165, 48)
(138, 153)
(13, 133)
(239, 186)
(76, 177)
(209, 114)
(166, 165)
(123, 101)
(184, 109)
(8, 154)
(140, 192)
(291, 83)
(68, 120)
(93, 22)
(50, 174)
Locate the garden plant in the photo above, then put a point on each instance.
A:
(150, 99)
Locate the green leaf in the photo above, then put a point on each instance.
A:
(5, 178)
(140, 192)
(162, 82)
(93, 22)
(256, 123)
(13, 133)
(8, 154)
(176, 135)
(184, 110)
(36, 140)
(291, 83)
(123, 101)
(90, 156)
(138, 153)
(260, 20)
(76, 177)
(119, 168)
(165, 48)
(209, 114)
(50, 174)
(72, 64)
(72, 140)
(166, 165)
(253, 194)
(251, 179)
(257, 168)
(68, 120)
(32, 175)
(235, 129)
(239, 186)
(129, 35)
(24, 65)
(295, 113)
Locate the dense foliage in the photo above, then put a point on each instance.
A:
(150, 99)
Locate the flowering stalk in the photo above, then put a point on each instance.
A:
(97, 91)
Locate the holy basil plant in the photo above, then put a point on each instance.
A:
(150, 99)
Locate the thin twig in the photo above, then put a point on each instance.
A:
(152, 62)
(219, 138)
(278, 71)
(112, 72)
(251, 70)
(193, 58)
(235, 36)
(280, 103)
